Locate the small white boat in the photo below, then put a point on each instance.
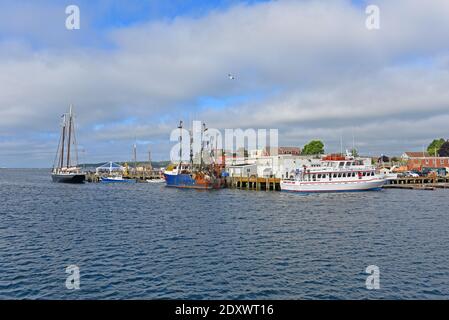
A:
(335, 174)
(155, 180)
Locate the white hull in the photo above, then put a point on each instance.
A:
(337, 186)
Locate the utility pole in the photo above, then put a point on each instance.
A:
(135, 157)
(150, 166)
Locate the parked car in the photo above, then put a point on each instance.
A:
(412, 174)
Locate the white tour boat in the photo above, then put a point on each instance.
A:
(335, 174)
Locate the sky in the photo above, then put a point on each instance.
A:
(309, 68)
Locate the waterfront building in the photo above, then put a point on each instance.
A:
(420, 163)
(413, 155)
(284, 165)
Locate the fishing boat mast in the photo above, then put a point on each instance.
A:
(203, 130)
(180, 144)
(191, 148)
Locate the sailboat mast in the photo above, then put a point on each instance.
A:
(69, 141)
(63, 142)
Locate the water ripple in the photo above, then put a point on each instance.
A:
(148, 242)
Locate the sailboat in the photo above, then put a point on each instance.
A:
(65, 168)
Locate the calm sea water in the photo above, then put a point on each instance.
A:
(145, 241)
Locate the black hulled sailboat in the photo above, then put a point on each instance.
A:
(65, 169)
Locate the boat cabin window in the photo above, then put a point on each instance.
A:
(341, 164)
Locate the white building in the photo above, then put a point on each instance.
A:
(278, 166)
(242, 170)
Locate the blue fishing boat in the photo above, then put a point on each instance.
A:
(190, 176)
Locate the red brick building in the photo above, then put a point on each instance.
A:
(427, 162)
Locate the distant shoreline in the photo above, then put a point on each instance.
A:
(154, 164)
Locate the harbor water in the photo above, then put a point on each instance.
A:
(145, 241)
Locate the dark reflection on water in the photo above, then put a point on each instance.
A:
(146, 241)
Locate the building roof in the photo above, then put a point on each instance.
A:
(412, 154)
(283, 150)
(289, 149)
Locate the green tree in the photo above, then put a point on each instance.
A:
(354, 152)
(444, 150)
(435, 146)
(313, 147)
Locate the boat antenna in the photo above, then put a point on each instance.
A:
(353, 143)
(341, 143)
(191, 147)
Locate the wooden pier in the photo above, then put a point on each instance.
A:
(139, 176)
(273, 184)
(254, 183)
(418, 183)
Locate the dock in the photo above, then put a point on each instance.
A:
(418, 183)
(273, 184)
(254, 183)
